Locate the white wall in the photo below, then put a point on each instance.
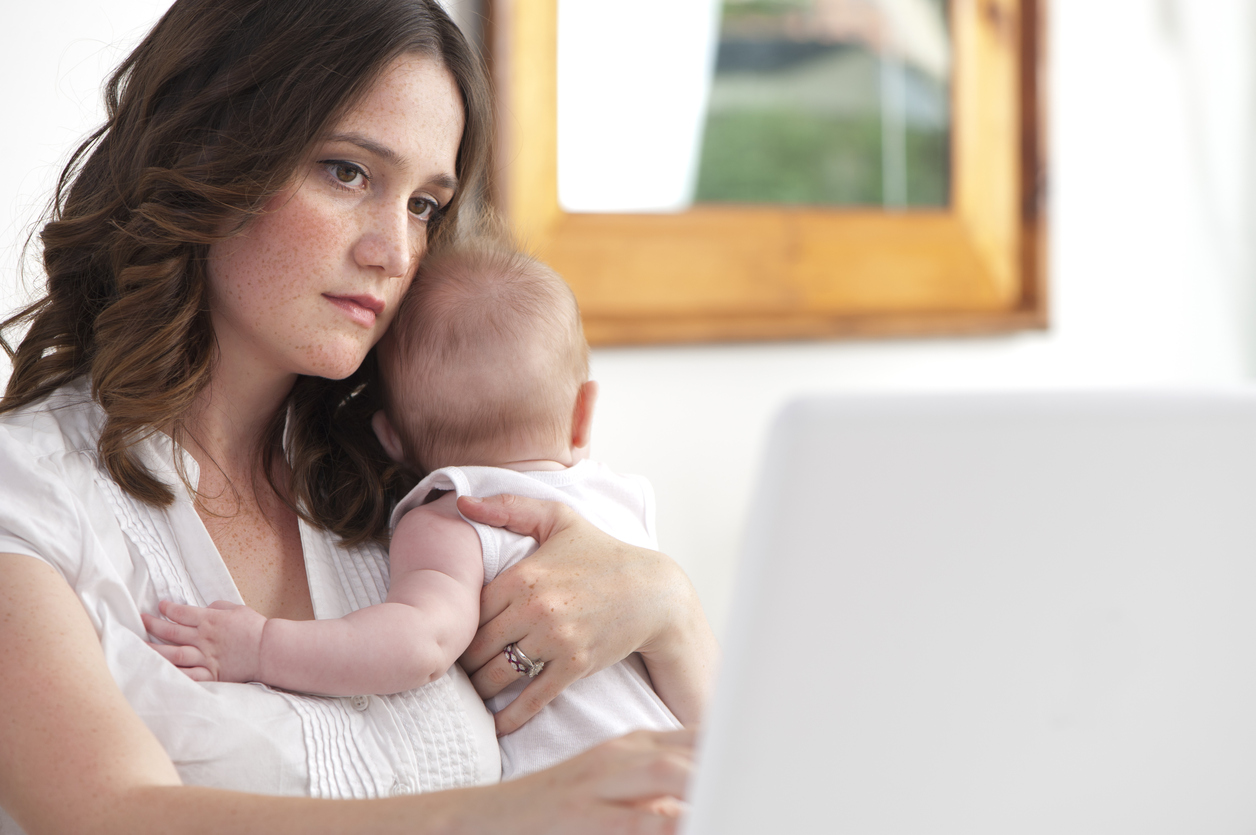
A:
(1150, 196)
(1152, 104)
(54, 61)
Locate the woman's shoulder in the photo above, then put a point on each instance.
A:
(66, 421)
(48, 458)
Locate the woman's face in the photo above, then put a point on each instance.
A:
(310, 285)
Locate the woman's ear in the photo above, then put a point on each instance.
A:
(582, 418)
(388, 437)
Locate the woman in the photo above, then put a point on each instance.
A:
(188, 419)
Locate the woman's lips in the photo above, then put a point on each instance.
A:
(361, 309)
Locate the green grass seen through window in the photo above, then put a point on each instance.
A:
(782, 156)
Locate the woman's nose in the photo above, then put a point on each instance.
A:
(386, 243)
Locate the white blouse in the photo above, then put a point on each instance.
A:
(122, 556)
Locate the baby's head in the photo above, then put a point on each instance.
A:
(485, 363)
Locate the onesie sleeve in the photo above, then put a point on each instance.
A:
(40, 516)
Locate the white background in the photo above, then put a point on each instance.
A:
(1152, 105)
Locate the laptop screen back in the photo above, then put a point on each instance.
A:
(993, 614)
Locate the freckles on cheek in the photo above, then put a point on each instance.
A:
(284, 258)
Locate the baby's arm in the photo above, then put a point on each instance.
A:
(429, 617)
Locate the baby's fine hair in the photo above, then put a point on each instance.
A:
(486, 352)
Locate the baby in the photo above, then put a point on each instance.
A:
(485, 372)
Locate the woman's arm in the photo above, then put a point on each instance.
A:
(410, 639)
(582, 602)
(77, 758)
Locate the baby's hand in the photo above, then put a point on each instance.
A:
(221, 643)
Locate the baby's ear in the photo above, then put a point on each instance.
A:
(388, 437)
(582, 417)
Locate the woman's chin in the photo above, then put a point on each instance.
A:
(335, 365)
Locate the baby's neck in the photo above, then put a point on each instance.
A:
(525, 460)
(533, 464)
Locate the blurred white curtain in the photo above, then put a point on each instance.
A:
(1213, 43)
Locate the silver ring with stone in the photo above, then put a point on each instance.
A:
(521, 662)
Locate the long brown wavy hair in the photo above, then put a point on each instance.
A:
(207, 119)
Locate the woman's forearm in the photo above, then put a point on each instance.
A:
(76, 757)
(629, 784)
(193, 810)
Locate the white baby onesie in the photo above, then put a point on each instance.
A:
(609, 703)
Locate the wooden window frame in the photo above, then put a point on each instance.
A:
(720, 272)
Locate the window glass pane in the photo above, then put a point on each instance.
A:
(633, 81)
(839, 102)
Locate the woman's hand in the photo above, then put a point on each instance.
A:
(583, 602)
(634, 784)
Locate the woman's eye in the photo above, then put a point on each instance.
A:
(346, 173)
(424, 208)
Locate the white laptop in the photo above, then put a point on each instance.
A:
(994, 614)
